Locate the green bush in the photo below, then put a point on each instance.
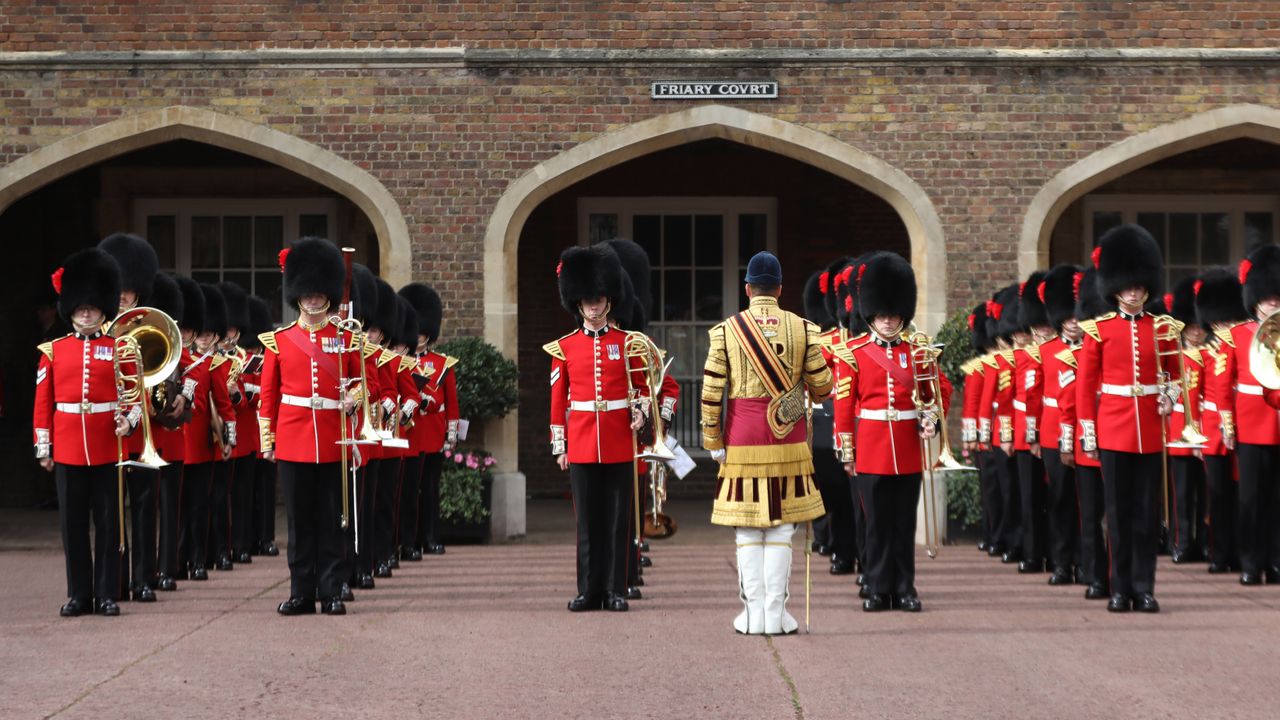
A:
(462, 477)
(486, 379)
(958, 339)
(964, 497)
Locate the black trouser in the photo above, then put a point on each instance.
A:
(243, 477)
(141, 483)
(410, 498)
(86, 491)
(1093, 539)
(1259, 504)
(385, 517)
(1031, 496)
(195, 510)
(366, 494)
(429, 501)
(837, 497)
(1186, 504)
(1063, 511)
(1007, 529)
(170, 517)
(890, 502)
(634, 497)
(992, 502)
(859, 521)
(219, 512)
(313, 502)
(264, 503)
(1223, 491)
(601, 500)
(1131, 486)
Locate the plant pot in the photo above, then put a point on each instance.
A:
(462, 532)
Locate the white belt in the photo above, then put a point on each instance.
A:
(599, 405)
(890, 414)
(314, 402)
(1211, 406)
(1051, 402)
(1177, 407)
(1249, 389)
(86, 408)
(250, 387)
(1130, 390)
(1019, 405)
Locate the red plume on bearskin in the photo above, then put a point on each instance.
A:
(1260, 275)
(284, 255)
(1075, 285)
(1220, 298)
(1096, 257)
(1031, 311)
(815, 307)
(824, 281)
(971, 319)
(1245, 267)
(1168, 302)
(56, 277)
(1058, 293)
(1199, 284)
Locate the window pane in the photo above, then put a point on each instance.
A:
(701, 345)
(268, 240)
(708, 240)
(752, 236)
(678, 295)
(1104, 221)
(237, 241)
(677, 240)
(1182, 239)
(1258, 229)
(206, 242)
(1215, 235)
(645, 229)
(1155, 224)
(161, 232)
(709, 294)
(206, 276)
(601, 227)
(680, 351)
(266, 285)
(243, 278)
(314, 225)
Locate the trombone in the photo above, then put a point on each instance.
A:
(925, 374)
(366, 435)
(1168, 341)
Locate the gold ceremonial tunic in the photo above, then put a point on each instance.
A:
(767, 476)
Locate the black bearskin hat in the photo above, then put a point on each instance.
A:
(313, 265)
(364, 293)
(1260, 275)
(193, 305)
(1219, 298)
(1127, 256)
(1031, 310)
(635, 262)
(427, 308)
(259, 323)
(847, 293)
(88, 277)
(1005, 308)
(829, 295)
(978, 329)
(1181, 303)
(886, 287)
(384, 317)
(215, 310)
(407, 325)
(1058, 293)
(138, 263)
(590, 272)
(815, 306)
(166, 297)
(1089, 302)
(237, 301)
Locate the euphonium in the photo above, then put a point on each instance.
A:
(1264, 353)
(642, 349)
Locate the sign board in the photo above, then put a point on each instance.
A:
(715, 89)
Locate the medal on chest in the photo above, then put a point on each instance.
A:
(902, 360)
(331, 344)
(613, 351)
(104, 352)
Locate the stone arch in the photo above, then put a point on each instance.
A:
(1228, 123)
(181, 122)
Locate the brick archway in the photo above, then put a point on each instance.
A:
(502, 235)
(1228, 123)
(182, 122)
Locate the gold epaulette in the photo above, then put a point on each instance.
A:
(370, 350)
(268, 340)
(1032, 351)
(844, 353)
(1224, 334)
(217, 361)
(1008, 356)
(407, 363)
(47, 349)
(989, 360)
(1067, 357)
(1090, 327)
(449, 361)
(386, 357)
(1193, 354)
(553, 348)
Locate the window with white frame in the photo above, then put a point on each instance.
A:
(1194, 231)
(238, 240)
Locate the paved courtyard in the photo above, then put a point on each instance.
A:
(482, 632)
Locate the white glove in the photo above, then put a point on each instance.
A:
(719, 455)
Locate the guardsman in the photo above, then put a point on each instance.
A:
(975, 377)
(138, 267)
(1219, 308)
(1057, 293)
(830, 282)
(168, 430)
(1256, 425)
(853, 328)
(1121, 401)
(223, 435)
(995, 417)
(1028, 400)
(264, 472)
(357, 549)
(244, 370)
(398, 370)
(881, 424)
(78, 423)
(593, 423)
(1186, 468)
(764, 367)
(310, 387)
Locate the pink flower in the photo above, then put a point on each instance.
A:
(472, 462)
(490, 462)
(448, 453)
(458, 458)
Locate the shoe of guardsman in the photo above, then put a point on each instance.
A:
(345, 594)
(144, 593)
(333, 606)
(645, 561)
(224, 562)
(166, 583)
(244, 557)
(1027, 567)
(1250, 578)
(633, 593)
(382, 570)
(841, 566)
(907, 602)
(1061, 576)
(1271, 575)
(107, 607)
(876, 602)
(583, 603)
(297, 606)
(75, 608)
(1216, 568)
(433, 549)
(1145, 602)
(1096, 591)
(199, 573)
(365, 582)
(616, 603)
(1009, 557)
(269, 548)
(1119, 603)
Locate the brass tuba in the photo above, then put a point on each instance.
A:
(1264, 353)
(150, 340)
(647, 355)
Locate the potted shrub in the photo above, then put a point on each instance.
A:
(964, 506)
(486, 382)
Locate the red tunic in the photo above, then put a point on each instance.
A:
(1119, 376)
(1069, 402)
(171, 444)
(1058, 384)
(212, 397)
(1028, 396)
(75, 403)
(974, 380)
(1214, 358)
(1195, 390)
(996, 411)
(1236, 389)
(591, 377)
(247, 410)
(438, 409)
